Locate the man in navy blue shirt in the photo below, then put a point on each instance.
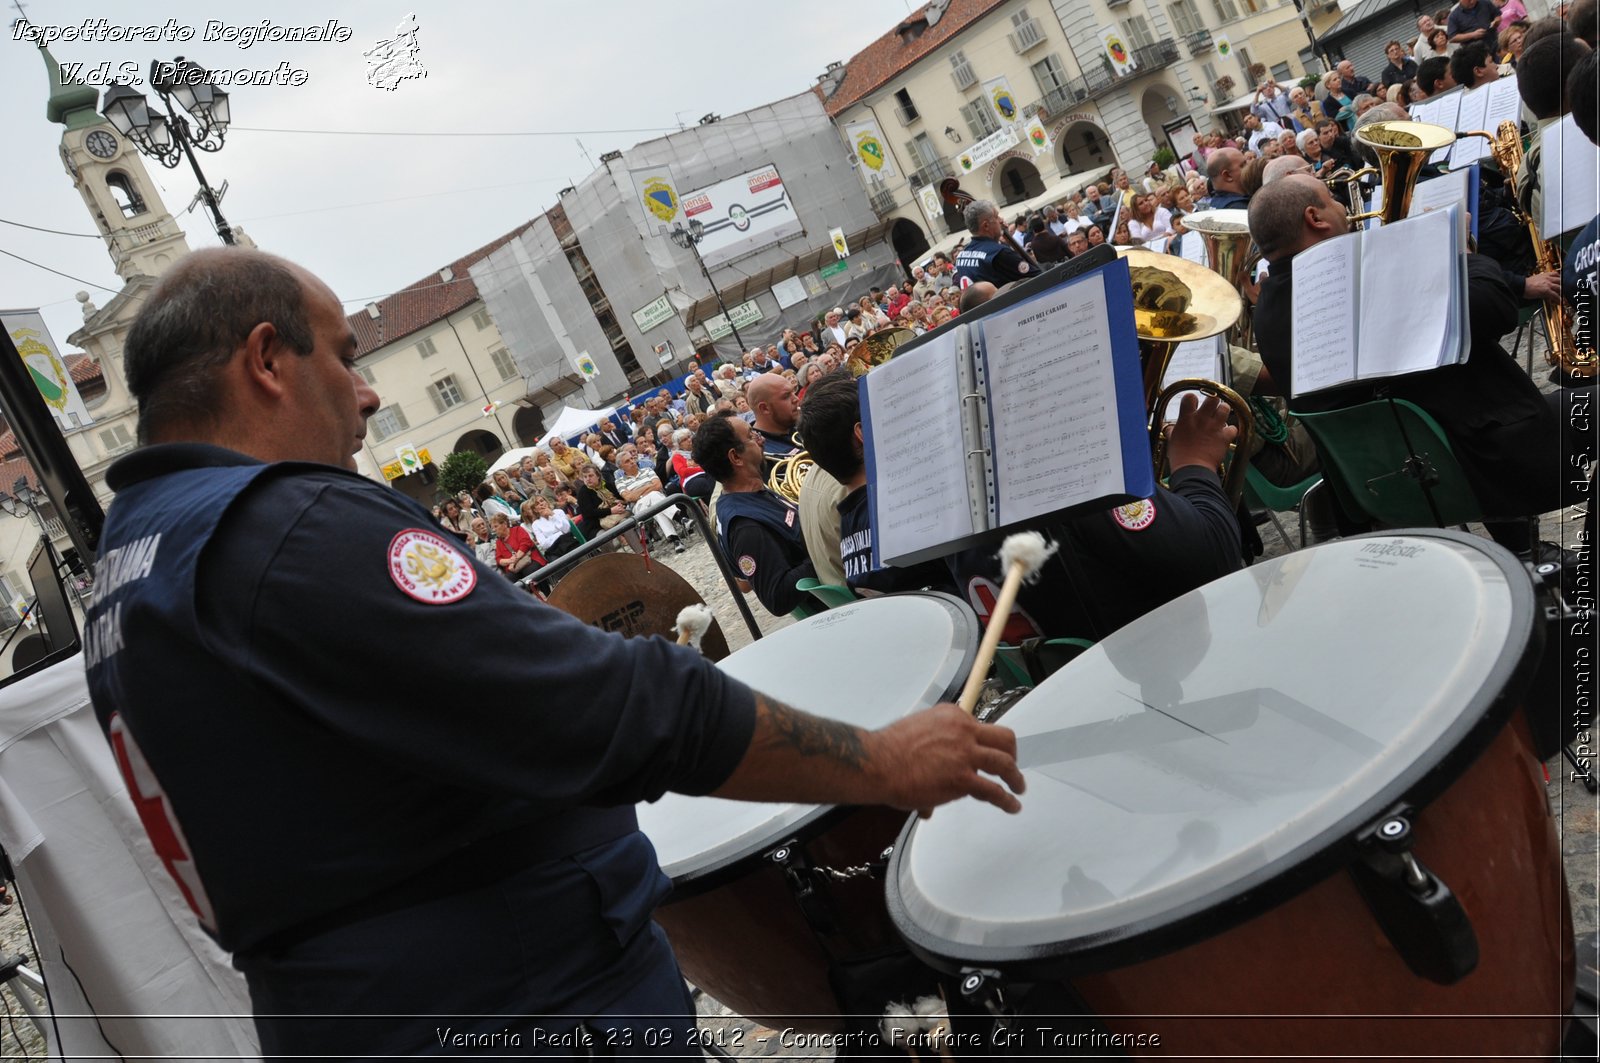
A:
(397, 869)
(990, 255)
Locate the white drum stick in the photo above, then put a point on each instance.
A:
(1022, 556)
(693, 623)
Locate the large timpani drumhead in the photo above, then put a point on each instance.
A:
(1210, 759)
(868, 663)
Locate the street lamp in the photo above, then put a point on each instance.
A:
(25, 501)
(169, 138)
(689, 239)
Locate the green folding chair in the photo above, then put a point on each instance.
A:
(1045, 657)
(1262, 493)
(1011, 667)
(1379, 456)
(831, 595)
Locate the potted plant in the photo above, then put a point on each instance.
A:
(1163, 157)
(1224, 87)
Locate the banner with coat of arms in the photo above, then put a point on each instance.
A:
(657, 194)
(1002, 100)
(1117, 51)
(1038, 136)
(871, 150)
(45, 365)
(1224, 46)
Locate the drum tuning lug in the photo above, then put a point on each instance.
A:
(985, 988)
(1421, 916)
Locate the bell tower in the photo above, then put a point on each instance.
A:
(140, 233)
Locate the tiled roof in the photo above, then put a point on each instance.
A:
(19, 466)
(83, 368)
(428, 300)
(891, 54)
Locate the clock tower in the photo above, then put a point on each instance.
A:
(107, 170)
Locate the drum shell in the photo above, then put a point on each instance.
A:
(1315, 974)
(745, 941)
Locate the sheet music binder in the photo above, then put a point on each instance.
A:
(1055, 360)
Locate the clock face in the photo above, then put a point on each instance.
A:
(101, 144)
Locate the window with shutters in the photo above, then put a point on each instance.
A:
(387, 422)
(116, 439)
(1226, 12)
(961, 71)
(1282, 74)
(1244, 64)
(1050, 74)
(504, 362)
(367, 374)
(980, 118)
(1025, 32)
(922, 150)
(1211, 74)
(427, 349)
(904, 107)
(1139, 31)
(1185, 19)
(481, 320)
(445, 393)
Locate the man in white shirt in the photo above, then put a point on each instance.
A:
(1260, 131)
(1420, 48)
(832, 331)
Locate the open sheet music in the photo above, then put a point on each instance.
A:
(1030, 410)
(1436, 193)
(1567, 170)
(1380, 302)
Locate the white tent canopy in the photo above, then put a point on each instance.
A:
(572, 420)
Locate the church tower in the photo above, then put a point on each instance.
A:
(141, 235)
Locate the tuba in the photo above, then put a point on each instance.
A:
(881, 344)
(1563, 353)
(1175, 301)
(1402, 148)
(1226, 235)
(786, 475)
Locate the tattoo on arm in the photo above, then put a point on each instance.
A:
(813, 736)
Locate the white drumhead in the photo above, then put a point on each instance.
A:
(868, 663)
(1216, 742)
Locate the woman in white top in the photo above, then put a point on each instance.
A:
(547, 526)
(1149, 221)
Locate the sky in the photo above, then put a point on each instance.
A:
(372, 214)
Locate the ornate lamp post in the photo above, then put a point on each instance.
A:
(689, 239)
(168, 138)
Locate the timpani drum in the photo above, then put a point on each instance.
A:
(1291, 813)
(758, 917)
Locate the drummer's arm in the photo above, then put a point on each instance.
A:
(917, 763)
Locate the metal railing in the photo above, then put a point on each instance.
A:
(635, 523)
(882, 200)
(931, 174)
(1097, 82)
(1199, 42)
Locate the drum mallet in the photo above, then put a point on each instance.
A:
(1022, 556)
(693, 623)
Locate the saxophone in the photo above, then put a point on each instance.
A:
(1564, 352)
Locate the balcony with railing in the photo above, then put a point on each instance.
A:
(1097, 82)
(882, 200)
(931, 174)
(1199, 43)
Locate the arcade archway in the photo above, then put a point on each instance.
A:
(1159, 106)
(1017, 180)
(485, 444)
(528, 425)
(909, 243)
(1085, 148)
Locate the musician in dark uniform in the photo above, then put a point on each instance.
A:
(760, 532)
(394, 877)
(1506, 435)
(990, 255)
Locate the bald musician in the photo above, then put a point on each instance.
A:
(1506, 435)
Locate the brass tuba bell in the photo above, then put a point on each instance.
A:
(1403, 148)
(1175, 301)
(1226, 236)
